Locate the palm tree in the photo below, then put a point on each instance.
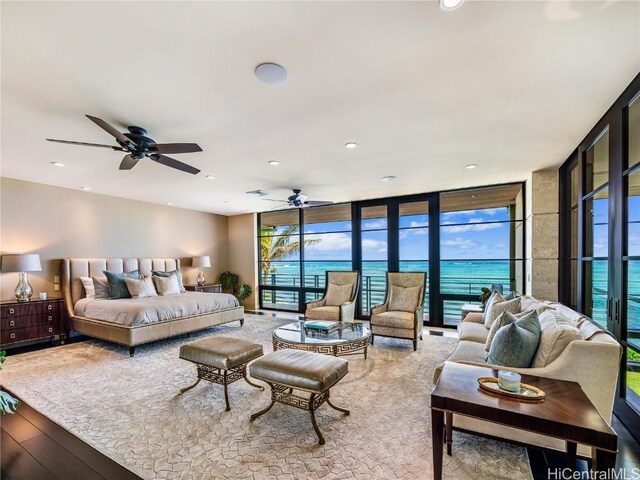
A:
(278, 247)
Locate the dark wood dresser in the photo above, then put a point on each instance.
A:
(23, 322)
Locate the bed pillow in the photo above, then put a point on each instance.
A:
(141, 288)
(515, 345)
(166, 285)
(117, 286)
(177, 273)
(101, 287)
(89, 289)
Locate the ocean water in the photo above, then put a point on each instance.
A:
(457, 277)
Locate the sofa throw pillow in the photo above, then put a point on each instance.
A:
(140, 288)
(117, 286)
(494, 298)
(404, 299)
(337, 295)
(176, 272)
(511, 295)
(557, 332)
(515, 345)
(166, 285)
(505, 318)
(101, 287)
(89, 289)
(511, 306)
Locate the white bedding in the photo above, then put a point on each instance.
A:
(142, 311)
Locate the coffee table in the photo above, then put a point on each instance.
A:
(565, 413)
(349, 338)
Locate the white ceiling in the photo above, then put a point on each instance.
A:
(510, 86)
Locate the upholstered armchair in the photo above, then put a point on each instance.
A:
(401, 315)
(339, 301)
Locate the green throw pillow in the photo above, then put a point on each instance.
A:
(177, 273)
(515, 345)
(117, 285)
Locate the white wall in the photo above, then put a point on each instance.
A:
(243, 253)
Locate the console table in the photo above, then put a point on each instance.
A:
(565, 413)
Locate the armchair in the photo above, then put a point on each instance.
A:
(339, 300)
(401, 314)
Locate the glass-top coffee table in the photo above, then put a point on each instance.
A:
(345, 338)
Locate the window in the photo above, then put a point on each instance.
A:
(413, 241)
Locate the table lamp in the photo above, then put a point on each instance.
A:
(22, 263)
(201, 262)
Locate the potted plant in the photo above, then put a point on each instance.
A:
(231, 284)
(8, 404)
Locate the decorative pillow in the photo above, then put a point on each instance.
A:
(166, 285)
(515, 345)
(494, 298)
(89, 289)
(404, 299)
(117, 287)
(141, 288)
(101, 287)
(176, 272)
(511, 295)
(557, 332)
(512, 306)
(337, 294)
(505, 318)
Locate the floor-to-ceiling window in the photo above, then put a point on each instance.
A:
(601, 213)
(473, 240)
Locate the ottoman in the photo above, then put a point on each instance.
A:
(221, 360)
(288, 370)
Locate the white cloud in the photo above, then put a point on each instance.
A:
(472, 227)
(415, 224)
(372, 224)
(374, 245)
(329, 242)
(459, 242)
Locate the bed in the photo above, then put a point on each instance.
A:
(133, 322)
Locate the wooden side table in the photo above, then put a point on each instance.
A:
(207, 287)
(566, 413)
(37, 319)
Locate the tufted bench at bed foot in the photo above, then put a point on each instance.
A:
(288, 370)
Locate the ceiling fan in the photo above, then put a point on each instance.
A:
(297, 200)
(136, 143)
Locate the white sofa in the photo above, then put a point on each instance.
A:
(592, 361)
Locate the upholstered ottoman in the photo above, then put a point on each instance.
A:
(288, 370)
(221, 360)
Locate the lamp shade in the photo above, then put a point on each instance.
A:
(29, 262)
(202, 262)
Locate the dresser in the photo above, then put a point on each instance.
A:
(207, 287)
(22, 322)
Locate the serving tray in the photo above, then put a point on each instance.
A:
(527, 393)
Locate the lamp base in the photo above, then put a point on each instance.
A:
(23, 291)
(200, 280)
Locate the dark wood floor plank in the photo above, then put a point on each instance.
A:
(19, 427)
(18, 464)
(57, 460)
(83, 451)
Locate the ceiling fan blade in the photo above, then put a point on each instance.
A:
(173, 163)
(111, 130)
(273, 200)
(86, 144)
(178, 147)
(317, 203)
(128, 162)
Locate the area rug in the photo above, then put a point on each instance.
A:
(128, 408)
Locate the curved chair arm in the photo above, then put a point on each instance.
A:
(418, 317)
(315, 304)
(378, 309)
(347, 312)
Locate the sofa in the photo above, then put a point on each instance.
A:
(587, 355)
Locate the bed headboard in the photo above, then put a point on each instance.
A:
(74, 268)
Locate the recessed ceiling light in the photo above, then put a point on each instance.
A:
(388, 178)
(449, 5)
(210, 177)
(274, 162)
(272, 73)
(226, 201)
(471, 166)
(473, 196)
(57, 164)
(169, 203)
(86, 189)
(351, 145)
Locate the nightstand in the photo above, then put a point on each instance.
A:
(207, 287)
(36, 320)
